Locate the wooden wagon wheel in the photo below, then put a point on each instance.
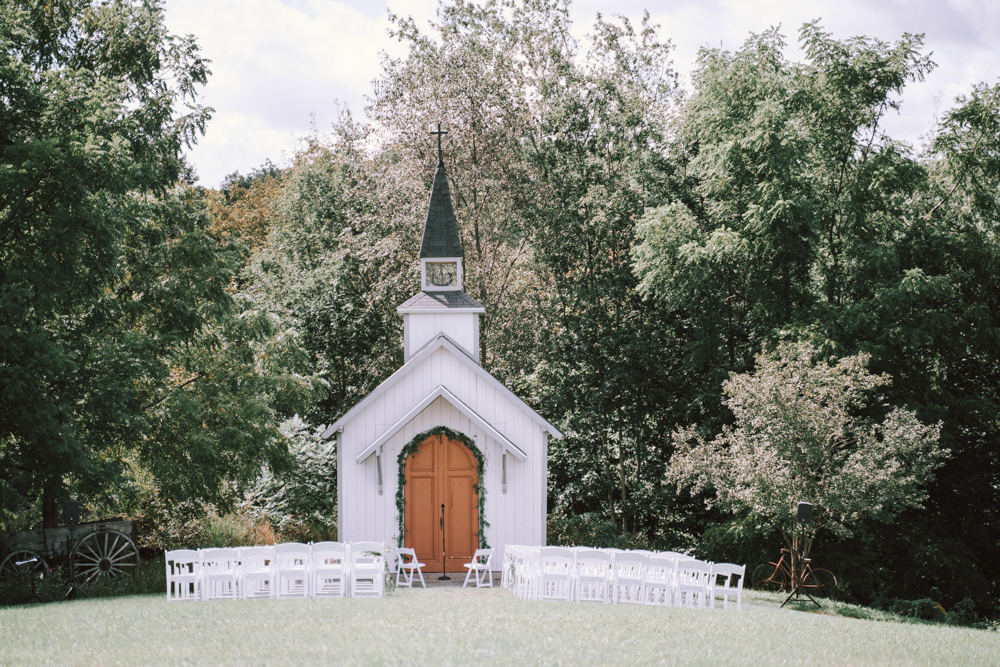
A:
(11, 571)
(104, 554)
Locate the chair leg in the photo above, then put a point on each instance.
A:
(467, 575)
(420, 571)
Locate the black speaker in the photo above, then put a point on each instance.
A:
(71, 512)
(805, 515)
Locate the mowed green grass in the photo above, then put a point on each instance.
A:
(452, 626)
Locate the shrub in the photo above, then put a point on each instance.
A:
(925, 609)
(233, 530)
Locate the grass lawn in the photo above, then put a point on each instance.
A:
(453, 626)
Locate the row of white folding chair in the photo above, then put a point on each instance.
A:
(323, 569)
(615, 575)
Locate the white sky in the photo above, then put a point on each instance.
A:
(281, 65)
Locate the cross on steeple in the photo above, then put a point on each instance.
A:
(439, 133)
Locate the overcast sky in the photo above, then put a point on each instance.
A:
(280, 65)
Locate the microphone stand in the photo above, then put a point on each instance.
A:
(444, 554)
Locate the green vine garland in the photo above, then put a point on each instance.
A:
(412, 447)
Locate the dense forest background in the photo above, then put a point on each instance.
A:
(635, 244)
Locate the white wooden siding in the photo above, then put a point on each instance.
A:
(516, 517)
(420, 328)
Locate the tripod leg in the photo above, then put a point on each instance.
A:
(796, 592)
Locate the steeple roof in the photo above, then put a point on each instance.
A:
(441, 229)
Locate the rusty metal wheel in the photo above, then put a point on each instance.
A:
(104, 555)
(11, 571)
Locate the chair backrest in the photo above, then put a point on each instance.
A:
(483, 556)
(660, 569)
(219, 560)
(406, 555)
(328, 554)
(367, 552)
(732, 575)
(592, 563)
(291, 555)
(630, 565)
(182, 561)
(256, 557)
(257, 552)
(693, 572)
(556, 560)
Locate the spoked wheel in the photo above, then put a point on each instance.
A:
(820, 582)
(104, 555)
(31, 565)
(768, 577)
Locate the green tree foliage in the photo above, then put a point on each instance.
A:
(338, 261)
(805, 219)
(797, 437)
(120, 346)
(301, 502)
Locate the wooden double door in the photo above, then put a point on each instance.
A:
(442, 472)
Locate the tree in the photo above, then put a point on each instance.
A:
(300, 503)
(117, 324)
(799, 436)
(802, 217)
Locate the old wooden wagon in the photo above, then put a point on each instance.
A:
(94, 550)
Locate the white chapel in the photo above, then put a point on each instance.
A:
(441, 457)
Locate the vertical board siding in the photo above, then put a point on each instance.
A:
(421, 328)
(517, 517)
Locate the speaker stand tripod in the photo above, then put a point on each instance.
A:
(74, 590)
(31, 576)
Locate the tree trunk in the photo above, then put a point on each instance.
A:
(50, 504)
(607, 472)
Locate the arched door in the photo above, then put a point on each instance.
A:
(442, 471)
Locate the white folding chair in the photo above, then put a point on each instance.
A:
(256, 572)
(480, 567)
(731, 577)
(555, 572)
(661, 572)
(406, 568)
(291, 570)
(519, 571)
(328, 569)
(629, 577)
(693, 581)
(220, 574)
(183, 575)
(367, 569)
(592, 569)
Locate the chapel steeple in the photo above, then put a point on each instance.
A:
(441, 252)
(441, 307)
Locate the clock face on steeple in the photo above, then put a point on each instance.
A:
(442, 274)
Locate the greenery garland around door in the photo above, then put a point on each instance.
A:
(413, 447)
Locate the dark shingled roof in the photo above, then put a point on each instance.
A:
(441, 229)
(438, 300)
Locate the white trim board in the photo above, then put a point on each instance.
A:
(440, 334)
(446, 342)
(441, 392)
